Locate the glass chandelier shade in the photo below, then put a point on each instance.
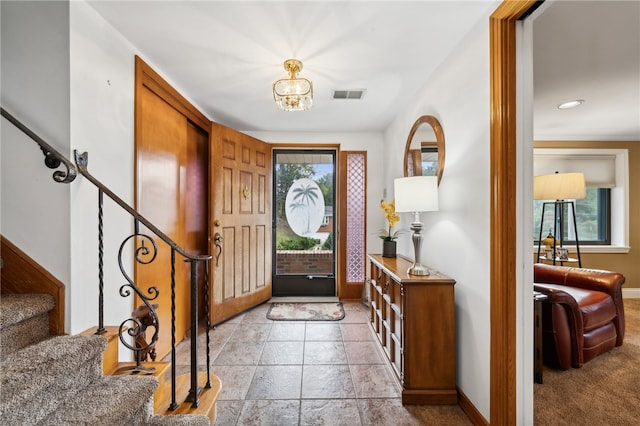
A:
(293, 93)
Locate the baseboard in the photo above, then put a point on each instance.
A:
(470, 410)
(631, 293)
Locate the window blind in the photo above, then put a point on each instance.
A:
(599, 170)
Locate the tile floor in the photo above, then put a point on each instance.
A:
(308, 373)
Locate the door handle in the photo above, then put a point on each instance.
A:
(217, 238)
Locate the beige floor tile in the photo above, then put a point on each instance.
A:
(335, 412)
(322, 331)
(373, 381)
(365, 352)
(276, 382)
(287, 331)
(360, 317)
(235, 379)
(270, 413)
(281, 353)
(327, 381)
(324, 353)
(250, 332)
(227, 412)
(239, 353)
(356, 332)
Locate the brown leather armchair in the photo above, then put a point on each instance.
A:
(583, 315)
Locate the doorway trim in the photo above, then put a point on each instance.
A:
(503, 223)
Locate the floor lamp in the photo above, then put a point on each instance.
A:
(563, 188)
(415, 195)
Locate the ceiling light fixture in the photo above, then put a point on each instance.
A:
(293, 93)
(571, 104)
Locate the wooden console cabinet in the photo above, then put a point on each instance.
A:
(413, 318)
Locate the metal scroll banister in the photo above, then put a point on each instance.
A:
(52, 158)
(82, 161)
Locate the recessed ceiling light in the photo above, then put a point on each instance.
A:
(571, 104)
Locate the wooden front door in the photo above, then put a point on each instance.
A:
(240, 239)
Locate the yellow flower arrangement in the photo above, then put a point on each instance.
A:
(392, 217)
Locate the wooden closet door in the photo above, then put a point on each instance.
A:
(161, 167)
(241, 216)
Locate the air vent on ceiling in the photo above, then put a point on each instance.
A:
(348, 94)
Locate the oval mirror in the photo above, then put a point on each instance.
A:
(424, 152)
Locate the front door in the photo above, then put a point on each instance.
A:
(240, 239)
(303, 222)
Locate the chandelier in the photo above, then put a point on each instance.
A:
(293, 93)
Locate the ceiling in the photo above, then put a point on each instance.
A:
(225, 55)
(587, 50)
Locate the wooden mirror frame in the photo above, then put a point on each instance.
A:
(437, 130)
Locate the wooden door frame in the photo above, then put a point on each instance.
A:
(503, 224)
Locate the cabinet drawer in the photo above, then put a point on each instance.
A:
(395, 294)
(375, 317)
(396, 358)
(386, 344)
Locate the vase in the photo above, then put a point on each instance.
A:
(388, 248)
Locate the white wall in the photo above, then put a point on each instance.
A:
(371, 142)
(102, 123)
(456, 239)
(35, 90)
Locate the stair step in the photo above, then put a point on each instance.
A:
(112, 400)
(111, 353)
(46, 374)
(24, 320)
(208, 397)
(19, 307)
(162, 371)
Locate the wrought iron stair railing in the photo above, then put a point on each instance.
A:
(145, 252)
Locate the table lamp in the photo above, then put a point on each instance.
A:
(415, 195)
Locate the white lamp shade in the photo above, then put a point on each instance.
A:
(416, 194)
(559, 186)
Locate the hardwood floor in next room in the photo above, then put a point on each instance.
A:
(308, 373)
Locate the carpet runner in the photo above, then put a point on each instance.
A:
(306, 311)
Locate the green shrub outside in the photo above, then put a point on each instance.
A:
(299, 243)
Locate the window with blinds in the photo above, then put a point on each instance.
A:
(601, 217)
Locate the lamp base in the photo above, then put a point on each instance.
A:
(418, 269)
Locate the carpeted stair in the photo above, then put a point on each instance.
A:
(58, 380)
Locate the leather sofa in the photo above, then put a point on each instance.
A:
(583, 315)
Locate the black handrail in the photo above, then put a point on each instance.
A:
(53, 159)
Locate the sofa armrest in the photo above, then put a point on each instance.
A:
(560, 299)
(559, 296)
